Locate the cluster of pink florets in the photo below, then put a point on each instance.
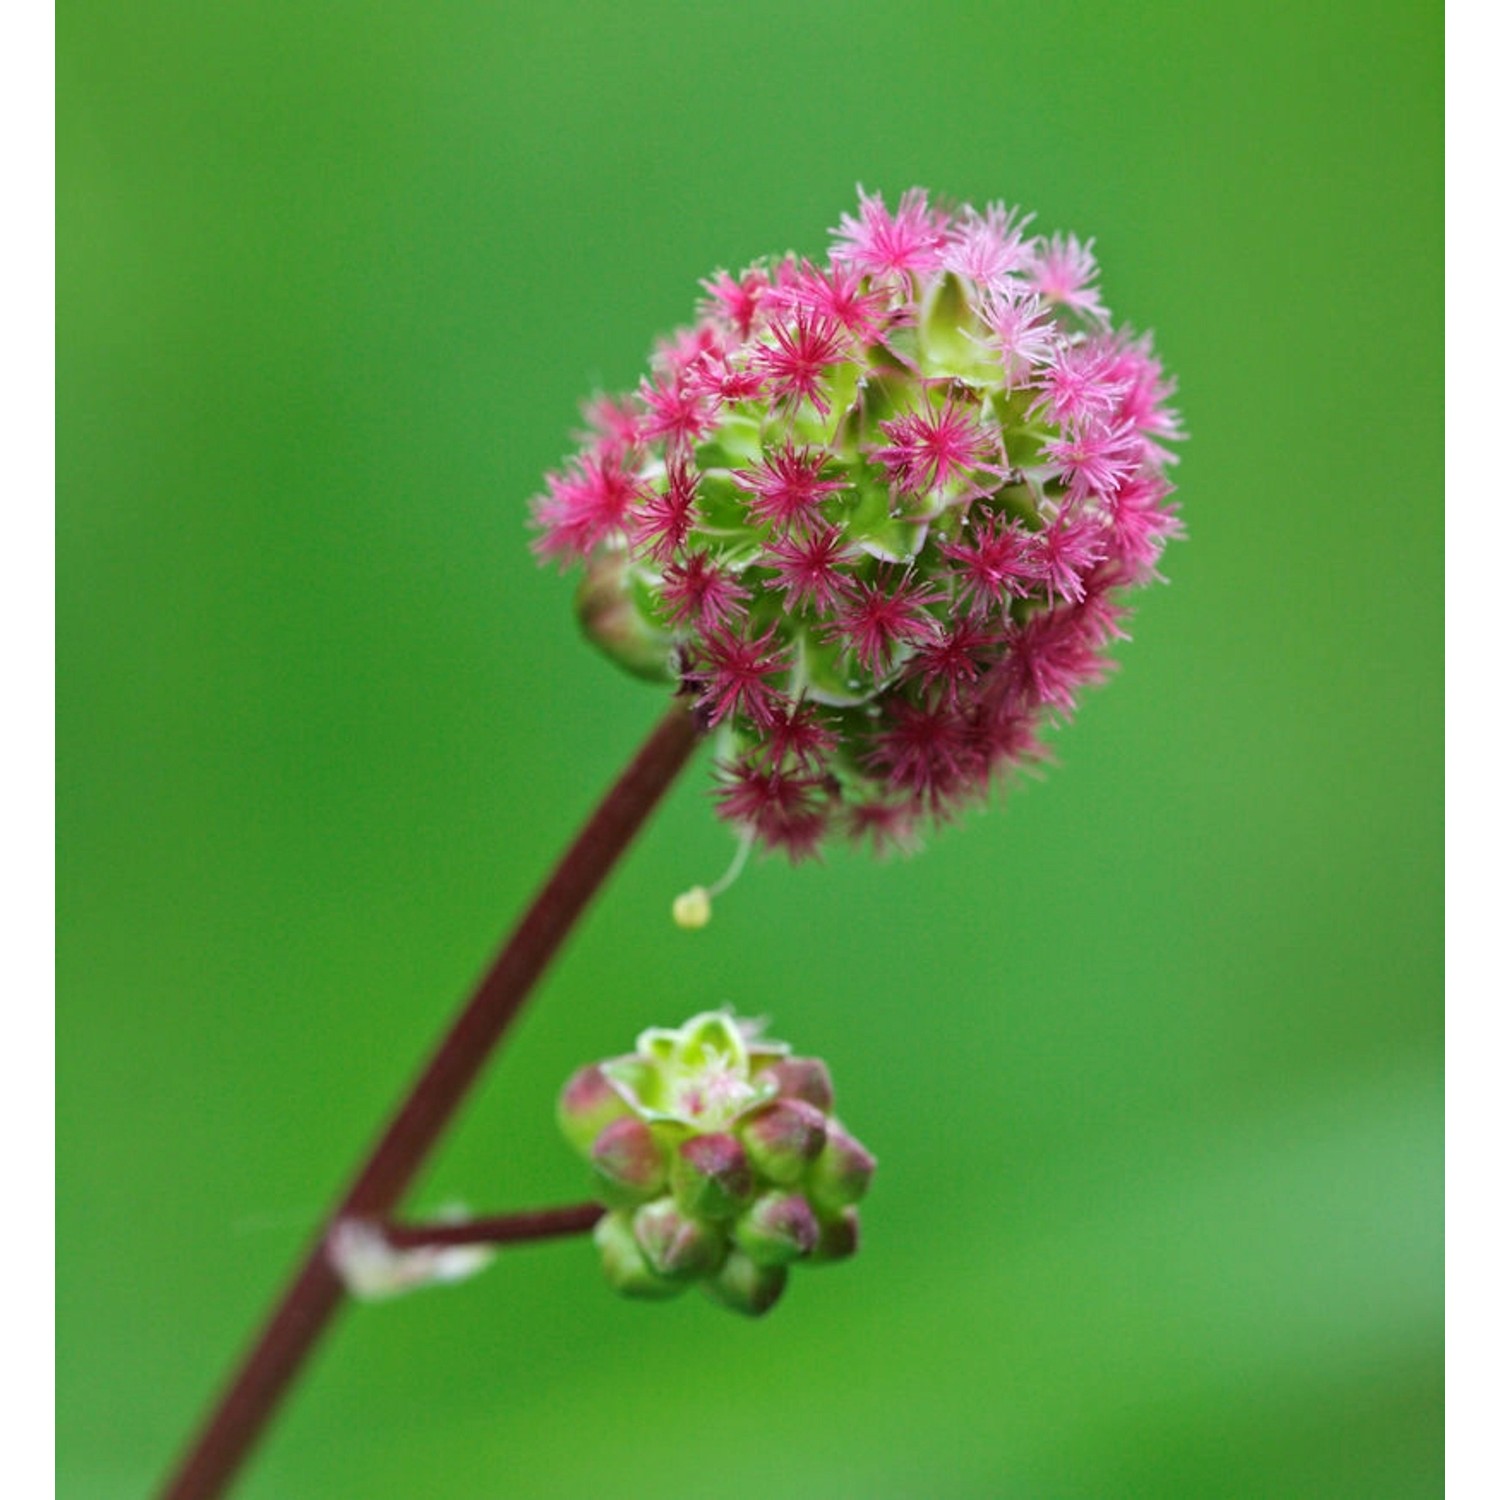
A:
(876, 515)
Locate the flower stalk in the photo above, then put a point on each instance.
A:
(497, 1229)
(316, 1291)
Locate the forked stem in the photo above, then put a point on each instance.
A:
(496, 1229)
(315, 1292)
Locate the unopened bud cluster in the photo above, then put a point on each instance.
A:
(876, 514)
(721, 1162)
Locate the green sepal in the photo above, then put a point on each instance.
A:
(629, 1163)
(782, 1137)
(588, 1102)
(841, 1173)
(677, 1246)
(949, 336)
(827, 673)
(838, 1237)
(777, 1229)
(711, 1176)
(624, 1265)
(744, 1287)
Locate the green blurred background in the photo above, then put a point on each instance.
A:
(1150, 1052)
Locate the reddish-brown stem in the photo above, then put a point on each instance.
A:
(497, 1229)
(314, 1295)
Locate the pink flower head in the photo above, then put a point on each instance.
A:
(1021, 334)
(1061, 554)
(954, 659)
(836, 295)
(991, 566)
(876, 514)
(879, 243)
(786, 810)
(615, 424)
(988, 248)
(1063, 270)
(737, 302)
(678, 410)
(586, 505)
(1083, 384)
(665, 518)
(1095, 459)
(925, 752)
(1144, 392)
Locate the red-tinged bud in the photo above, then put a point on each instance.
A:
(777, 1229)
(630, 1164)
(676, 1246)
(711, 1176)
(838, 1237)
(587, 1104)
(841, 1174)
(783, 1137)
(804, 1078)
(744, 1287)
(624, 1265)
(611, 618)
(725, 1167)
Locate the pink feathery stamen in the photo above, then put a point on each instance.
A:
(811, 568)
(925, 752)
(723, 382)
(615, 423)
(733, 673)
(1021, 335)
(992, 567)
(878, 616)
(675, 411)
(1048, 659)
(796, 360)
(701, 590)
(1141, 522)
(989, 249)
(785, 488)
(1081, 386)
(799, 736)
(927, 449)
(1061, 554)
(1095, 459)
(955, 657)
(666, 518)
(1146, 391)
(783, 809)
(834, 296)
(736, 302)
(586, 504)
(685, 348)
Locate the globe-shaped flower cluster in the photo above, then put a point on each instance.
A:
(721, 1162)
(876, 514)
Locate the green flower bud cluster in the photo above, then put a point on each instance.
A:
(720, 1160)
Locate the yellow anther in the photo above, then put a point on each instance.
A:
(692, 909)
